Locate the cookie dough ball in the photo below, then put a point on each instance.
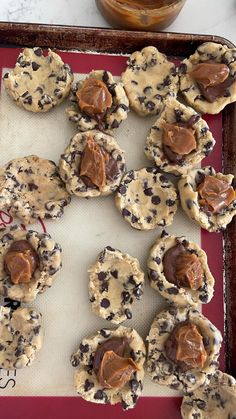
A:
(208, 198)
(183, 348)
(146, 199)
(92, 165)
(179, 139)
(37, 83)
(208, 78)
(98, 102)
(110, 367)
(216, 400)
(20, 338)
(149, 80)
(31, 187)
(115, 281)
(178, 269)
(28, 263)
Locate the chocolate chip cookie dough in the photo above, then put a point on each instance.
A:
(178, 269)
(179, 139)
(216, 400)
(98, 102)
(183, 349)
(37, 83)
(28, 263)
(92, 164)
(110, 367)
(149, 80)
(208, 198)
(115, 281)
(31, 187)
(146, 199)
(20, 337)
(208, 77)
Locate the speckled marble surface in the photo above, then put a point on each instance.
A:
(215, 17)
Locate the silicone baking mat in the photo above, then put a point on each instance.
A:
(85, 229)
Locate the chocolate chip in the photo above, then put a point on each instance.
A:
(105, 333)
(105, 303)
(99, 395)
(201, 404)
(172, 291)
(35, 66)
(125, 296)
(128, 314)
(32, 187)
(189, 203)
(141, 99)
(28, 100)
(1, 347)
(84, 348)
(25, 94)
(115, 124)
(104, 286)
(157, 260)
(147, 89)
(183, 68)
(105, 77)
(111, 249)
(114, 273)
(131, 280)
(155, 200)
(101, 276)
(11, 303)
(134, 219)
(203, 298)
(110, 317)
(150, 106)
(38, 52)
(138, 292)
(122, 189)
(153, 274)
(134, 385)
(88, 385)
(6, 75)
(148, 192)
(126, 213)
(74, 361)
(170, 202)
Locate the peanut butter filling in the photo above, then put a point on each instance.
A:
(115, 371)
(21, 261)
(210, 74)
(179, 139)
(185, 347)
(93, 97)
(183, 268)
(215, 194)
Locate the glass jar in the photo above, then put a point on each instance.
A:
(143, 15)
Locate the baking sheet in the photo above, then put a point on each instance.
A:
(85, 229)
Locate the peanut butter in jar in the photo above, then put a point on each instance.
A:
(143, 15)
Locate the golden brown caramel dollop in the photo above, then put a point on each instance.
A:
(190, 347)
(215, 194)
(180, 139)
(21, 261)
(189, 272)
(93, 163)
(115, 371)
(93, 97)
(210, 74)
(185, 347)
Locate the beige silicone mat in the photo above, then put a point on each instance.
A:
(85, 229)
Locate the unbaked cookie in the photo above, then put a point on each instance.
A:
(146, 199)
(21, 283)
(38, 83)
(178, 269)
(20, 337)
(115, 280)
(179, 139)
(148, 80)
(86, 380)
(209, 90)
(92, 164)
(163, 370)
(216, 400)
(95, 115)
(31, 187)
(204, 195)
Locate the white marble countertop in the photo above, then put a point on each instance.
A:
(214, 17)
